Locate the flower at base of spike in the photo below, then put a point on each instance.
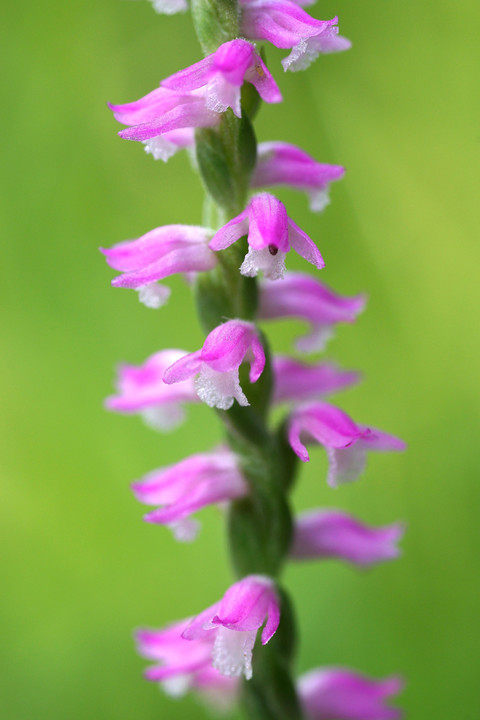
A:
(234, 621)
(342, 694)
(306, 298)
(295, 381)
(345, 442)
(286, 25)
(222, 74)
(141, 390)
(183, 666)
(216, 365)
(280, 163)
(162, 252)
(188, 486)
(271, 234)
(334, 534)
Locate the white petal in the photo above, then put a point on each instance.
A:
(221, 95)
(169, 7)
(345, 464)
(153, 295)
(219, 389)
(160, 148)
(185, 530)
(232, 652)
(163, 417)
(176, 686)
(272, 266)
(315, 340)
(319, 199)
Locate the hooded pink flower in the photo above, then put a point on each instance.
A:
(280, 163)
(306, 298)
(342, 694)
(345, 442)
(183, 666)
(222, 74)
(334, 534)
(141, 390)
(286, 25)
(295, 381)
(188, 486)
(157, 118)
(216, 365)
(271, 234)
(233, 623)
(158, 254)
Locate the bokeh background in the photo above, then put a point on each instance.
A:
(79, 568)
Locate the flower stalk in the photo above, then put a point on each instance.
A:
(211, 106)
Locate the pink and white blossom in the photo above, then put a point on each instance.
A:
(280, 163)
(233, 623)
(182, 489)
(140, 389)
(345, 442)
(163, 147)
(330, 533)
(342, 694)
(216, 365)
(306, 298)
(222, 74)
(296, 381)
(271, 234)
(286, 25)
(162, 252)
(183, 666)
(154, 117)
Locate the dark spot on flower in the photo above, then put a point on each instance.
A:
(272, 249)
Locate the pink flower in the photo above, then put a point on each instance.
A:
(345, 442)
(271, 234)
(141, 390)
(334, 534)
(161, 252)
(188, 486)
(295, 381)
(154, 118)
(222, 74)
(342, 694)
(286, 25)
(304, 297)
(234, 621)
(183, 665)
(279, 163)
(216, 365)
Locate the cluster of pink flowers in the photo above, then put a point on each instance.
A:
(210, 652)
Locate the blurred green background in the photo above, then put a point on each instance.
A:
(79, 568)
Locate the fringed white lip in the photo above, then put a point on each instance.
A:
(232, 652)
(219, 389)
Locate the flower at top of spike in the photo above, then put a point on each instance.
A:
(280, 163)
(271, 234)
(141, 390)
(188, 486)
(342, 694)
(286, 25)
(162, 252)
(233, 623)
(216, 365)
(332, 533)
(345, 442)
(222, 74)
(304, 297)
